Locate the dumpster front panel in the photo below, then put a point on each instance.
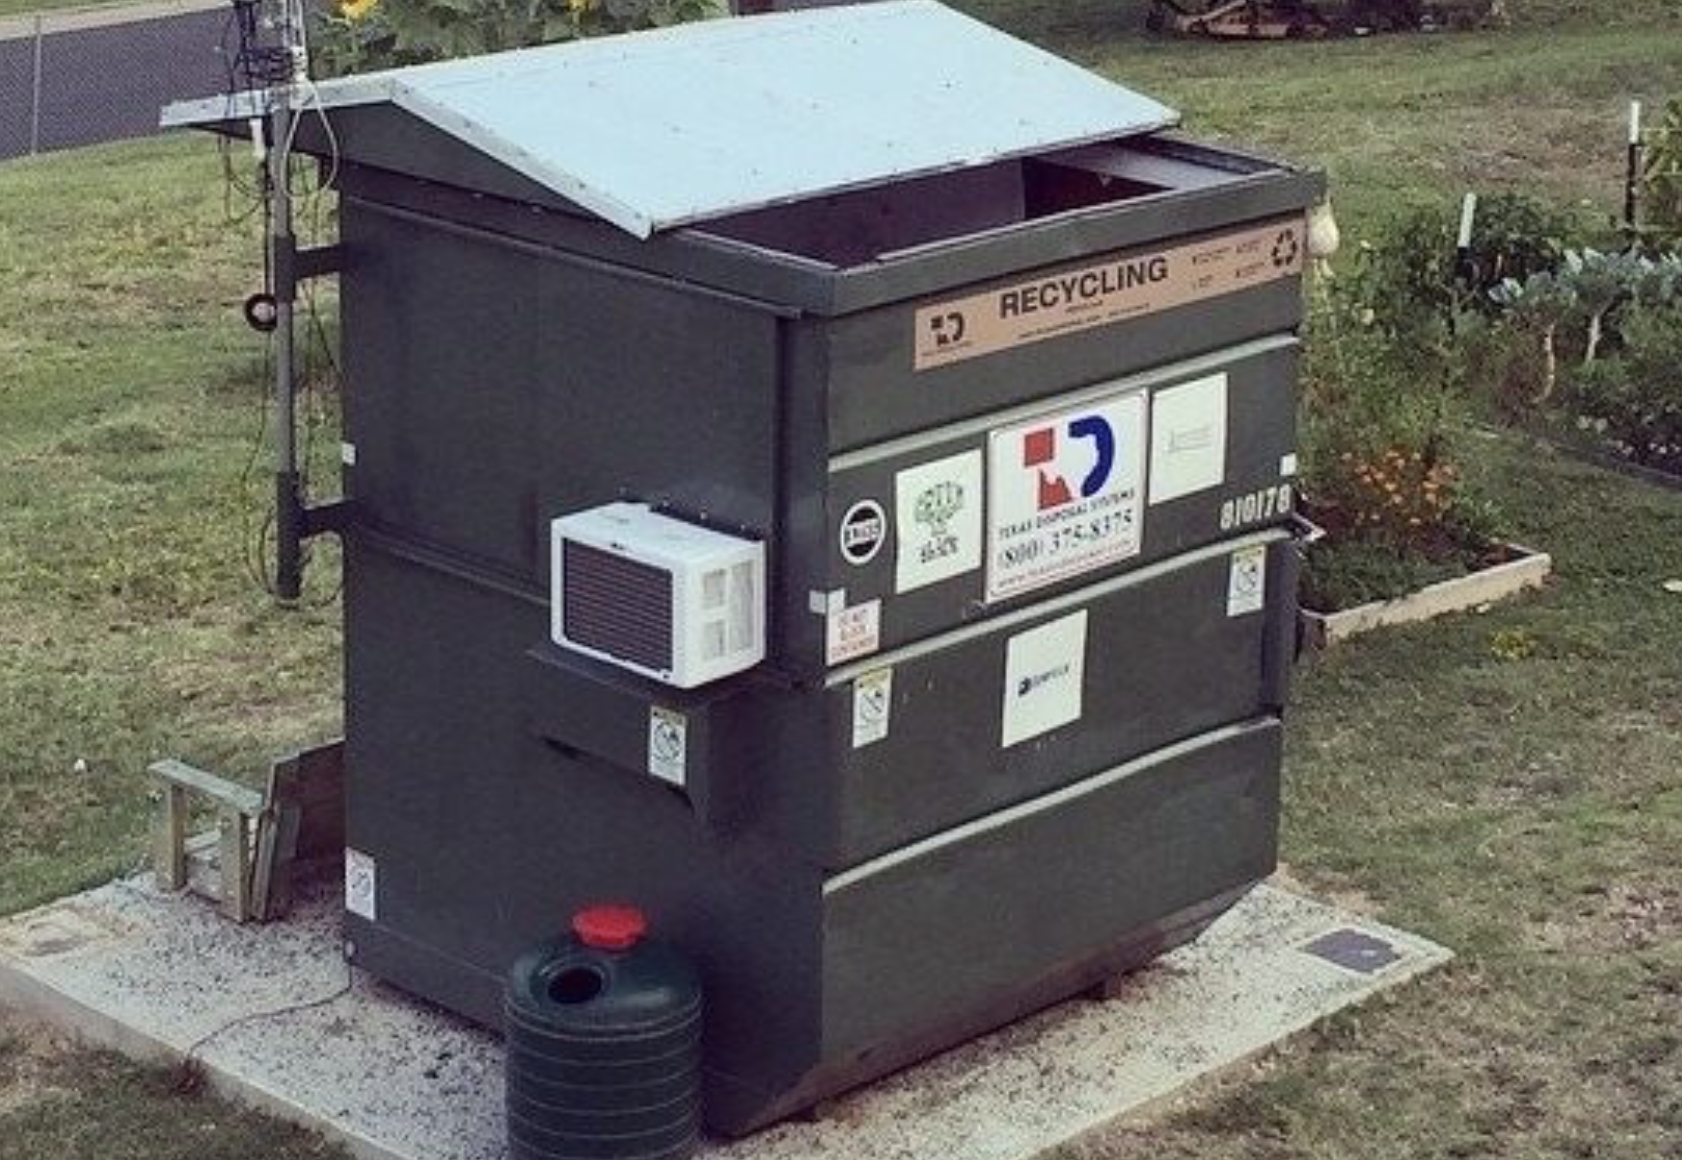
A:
(1132, 471)
(1048, 890)
(965, 723)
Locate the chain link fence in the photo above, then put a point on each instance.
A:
(94, 75)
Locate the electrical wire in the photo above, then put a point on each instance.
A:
(190, 1057)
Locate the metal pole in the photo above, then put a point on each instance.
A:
(35, 87)
(282, 250)
(1632, 172)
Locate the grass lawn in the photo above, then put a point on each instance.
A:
(1505, 783)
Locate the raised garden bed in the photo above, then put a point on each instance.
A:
(1585, 447)
(1509, 570)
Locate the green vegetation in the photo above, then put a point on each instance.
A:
(1503, 783)
(1398, 120)
(360, 35)
(59, 1104)
(130, 626)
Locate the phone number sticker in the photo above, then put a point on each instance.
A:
(1065, 494)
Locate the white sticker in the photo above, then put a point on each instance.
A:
(1264, 506)
(1188, 438)
(347, 454)
(937, 518)
(1288, 464)
(1246, 585)
(854, 631)
(824, 603)
(362, 887)
(1045, 669)
(668, 744)
(864, 529)
(873, 703)
(1065, 494)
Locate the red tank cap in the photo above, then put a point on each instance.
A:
(610, 927)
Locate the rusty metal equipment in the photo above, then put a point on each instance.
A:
(1240, 19)
(1303, 20)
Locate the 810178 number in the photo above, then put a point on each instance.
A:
(1267, 504)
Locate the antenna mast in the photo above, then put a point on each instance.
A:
(274, 57)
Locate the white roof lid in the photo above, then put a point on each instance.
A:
(659, 129)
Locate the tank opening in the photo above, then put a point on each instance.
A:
(576, 985)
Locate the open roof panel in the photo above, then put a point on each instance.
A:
(656, 130)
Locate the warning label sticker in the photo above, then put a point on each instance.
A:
(1118, 288)
(362, 890)
(668, 744)
(1246, 587)
(854, 630)
(873, 702)
(1065, 494)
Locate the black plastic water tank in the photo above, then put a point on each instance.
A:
(604, 1045)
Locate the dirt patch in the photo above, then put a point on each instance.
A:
(1343, 897)
(31, 1057)
(1623, 917)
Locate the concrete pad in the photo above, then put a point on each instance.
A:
(277, 1019)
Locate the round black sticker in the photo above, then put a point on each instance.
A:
(863, 530)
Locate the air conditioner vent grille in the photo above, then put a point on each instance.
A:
(617, 606)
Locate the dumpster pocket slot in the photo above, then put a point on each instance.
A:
(590, 714)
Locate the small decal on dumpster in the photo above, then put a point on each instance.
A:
(668, 744)
(863, 531)
(361, 885)
(1188, 438)
(1118, 288)
(1065, 494)
(873, 702)
(1045, 671)
(1246, 587)
(853, 631)
(937, 516)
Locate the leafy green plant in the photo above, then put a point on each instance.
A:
(371, 34)
(1408, 273)
(1662, 177)
(1634, 401)
(1540, 306)
(1579, 306)
(1381, 417)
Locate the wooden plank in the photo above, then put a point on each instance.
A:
(169, 836)
(303, 822)
(264, 866)
(1528, 571)
(319, 793)
(235, 858)
(228, 794)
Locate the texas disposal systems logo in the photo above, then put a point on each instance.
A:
(1065, 494)
(1040, 452)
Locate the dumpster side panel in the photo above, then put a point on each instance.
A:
(498, 386)
(487, 831)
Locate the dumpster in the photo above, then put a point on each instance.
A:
(826, 480)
